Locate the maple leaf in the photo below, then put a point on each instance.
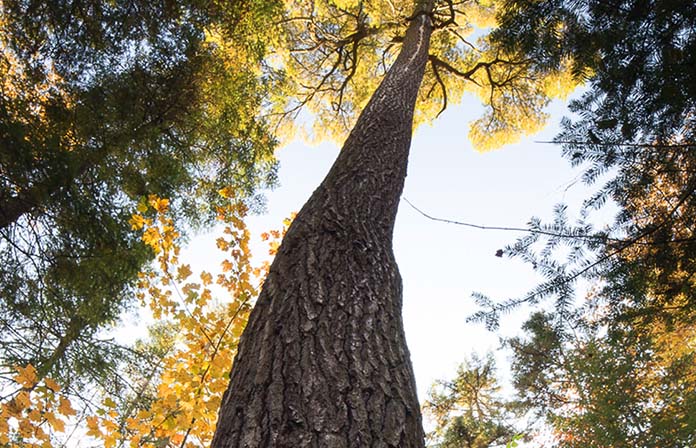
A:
(51, 384)
(159, 204)
(206, 278)
(183, 272)
(65, 407)
(56, 423)
(222, 244)
(226, 192)
(26, 376)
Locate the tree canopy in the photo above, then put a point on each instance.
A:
(599, 387)
(124, 125)
(469, 410)
(636, 134)
(111, 109)
(102, 106)
(352, 385)
(614, 369)
(334, 54)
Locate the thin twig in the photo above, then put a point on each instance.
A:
(632, 241)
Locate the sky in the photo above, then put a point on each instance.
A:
(442, 264)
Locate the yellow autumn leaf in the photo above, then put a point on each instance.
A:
(109, 440)
(159, 204)
(25, 429)
(205, 297)
(93, 426)
(26, 376)
(212, 405)
(34, 415)
(40, 434)
(65, 407)
(4, 426)
(56, 423)
(222, 244)
(137, 221)
(206, 278)
(183, 272)
(21, 401)
(51, 384)
(288, 221)
(162, 205)
(226, 192)
(10, 409)
(226, 266)
(152, 238)
(142, 206)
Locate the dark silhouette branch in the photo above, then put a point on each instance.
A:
(443, 88)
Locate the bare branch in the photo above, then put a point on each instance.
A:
(442, 87)
(462, 39)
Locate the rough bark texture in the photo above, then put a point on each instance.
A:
(323, 361)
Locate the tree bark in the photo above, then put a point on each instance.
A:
(323, 361)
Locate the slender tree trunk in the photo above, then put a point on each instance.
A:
(323, 361)
(14, 207)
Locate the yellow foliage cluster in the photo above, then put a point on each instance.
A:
(159, 234)
(33, 411)
(673, 332)
(193, 374)
(331, 73)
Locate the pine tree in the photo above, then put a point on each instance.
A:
(615, 368)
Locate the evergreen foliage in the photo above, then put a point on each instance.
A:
(103, 104)
(615, 369)
(608, 387)
(634, 125)
(469, 411)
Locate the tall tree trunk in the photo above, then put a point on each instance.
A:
(14, 207)
(323, 361)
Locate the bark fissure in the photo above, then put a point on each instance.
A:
(323, 361)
